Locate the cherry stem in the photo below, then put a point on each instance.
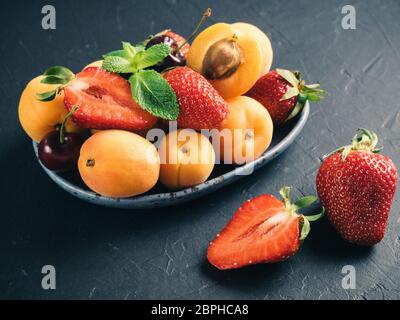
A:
(69, 114)
(205, 15)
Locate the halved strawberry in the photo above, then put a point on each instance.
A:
(104, 101)
(263, 230)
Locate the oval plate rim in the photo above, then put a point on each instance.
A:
(172, 198)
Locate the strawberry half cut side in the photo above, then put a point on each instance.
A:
(104, 101)
(263, 230)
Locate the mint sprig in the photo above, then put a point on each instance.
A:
(55, 75)
(149, 89)
(151, 56)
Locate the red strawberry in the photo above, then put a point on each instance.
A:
(200, 105)
(356, 185)
(179, 40)
(262, 230)
(104, 101)
(283, 93)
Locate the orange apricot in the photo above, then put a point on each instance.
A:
(118, 163)
(263, 40)
(231, 56)
(187, 159)
(246, 133)
(38, 118)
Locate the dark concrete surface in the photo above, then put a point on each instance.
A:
(105, 253)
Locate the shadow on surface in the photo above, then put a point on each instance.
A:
(256, 277)
(326, 243)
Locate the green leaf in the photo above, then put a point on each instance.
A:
(296, 110)
(140, 47)
(48, 96)
(305, 201)
(54, 80)
(154, 94)
(61, 72)
(289, 77)
(129, 49)
(305, 229)
(117, 64)
(312, 93)
(151, 56)
(116, 53)
(290, 93)
(316, 216)
(346, 151)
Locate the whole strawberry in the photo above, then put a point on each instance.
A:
(356, 185)
(283, 93)
(200, 105)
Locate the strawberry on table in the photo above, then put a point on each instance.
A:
(104, 101)
(357, 185)
(200, 105)
(263, 230)
(283, 93)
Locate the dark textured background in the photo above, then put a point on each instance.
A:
(106, 253)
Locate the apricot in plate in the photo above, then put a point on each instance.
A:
(117, 163)
(187, 159)
(231, 56)
(246, 133)
(38, 118)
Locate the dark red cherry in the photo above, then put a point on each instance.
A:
(60, 156)
(174, 59)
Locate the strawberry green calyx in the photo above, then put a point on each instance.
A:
(365, 140)
(299, 204)
(304, 92)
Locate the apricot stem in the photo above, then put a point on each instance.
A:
(69, 114)
(205, 15)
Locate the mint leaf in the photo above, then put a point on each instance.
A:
(54, 80)
(61, 72)
(140, 47)
(151, 56)
(154, 94)
(129, 49)
(117, 64)
(48, 96)
(116, 53)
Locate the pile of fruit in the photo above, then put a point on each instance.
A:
(97, 121)
(100, 119)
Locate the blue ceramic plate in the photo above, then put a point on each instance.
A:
(160, 197)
